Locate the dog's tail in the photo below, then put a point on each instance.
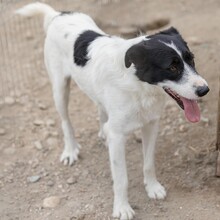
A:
(38, 8)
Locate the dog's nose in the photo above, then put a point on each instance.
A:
(202, 90)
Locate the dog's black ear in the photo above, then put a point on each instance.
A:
(136, 55)
(170, 31)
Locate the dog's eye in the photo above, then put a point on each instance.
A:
(173, 69)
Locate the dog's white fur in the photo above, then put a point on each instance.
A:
(124, 102)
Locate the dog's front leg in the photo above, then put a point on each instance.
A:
(116, 143)
(149, 135)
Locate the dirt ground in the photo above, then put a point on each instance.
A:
(31, 137)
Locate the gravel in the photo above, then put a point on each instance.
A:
(33, 179)
(51, 202)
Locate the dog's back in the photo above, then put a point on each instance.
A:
(62, 30)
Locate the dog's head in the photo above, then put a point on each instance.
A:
(164, 59)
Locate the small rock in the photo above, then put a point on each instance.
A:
(38, 145)
(60, 186)
(38, 122)
(71, 181)
(50, 183)
(176, 153)
(2, 131)
(35, 164)
(182, 128)
(42, 106)
(51, 202)
(9, 100)
(33, 179)
(50, 122)
(89, 207)
(205, 120)
(29, 35)
(54, 133)
(80, 216)
(51, 141)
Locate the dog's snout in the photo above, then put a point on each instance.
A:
(202, 90)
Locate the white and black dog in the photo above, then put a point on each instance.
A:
(127, 80)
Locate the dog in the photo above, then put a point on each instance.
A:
(128, 80)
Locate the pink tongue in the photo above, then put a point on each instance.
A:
(191, 110)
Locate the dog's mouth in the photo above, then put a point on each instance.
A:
(190, 107)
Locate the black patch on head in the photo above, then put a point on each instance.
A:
(156, 62)
(81, 46)
(172, 35)
(170, 31)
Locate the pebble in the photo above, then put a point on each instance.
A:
(47, 134)
(35, 164)
(89, 207)
(33, 179)
(29, 35)
(2, 131)
(205, 120)
(42, 106)
(9, 100)
(182, 128)
(50, 183)
(51, 141)
(51, 202)
(71, 181)
(50, 122)
(80, 216)
(54, 133)
(38, 145)
(38, 122)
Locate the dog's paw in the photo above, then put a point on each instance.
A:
(68, 157)
(123, 212)
(155, 191)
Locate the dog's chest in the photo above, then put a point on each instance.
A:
(150, 107)
(143, 109)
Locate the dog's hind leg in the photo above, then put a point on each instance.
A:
(61, 87)
(149, 135)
